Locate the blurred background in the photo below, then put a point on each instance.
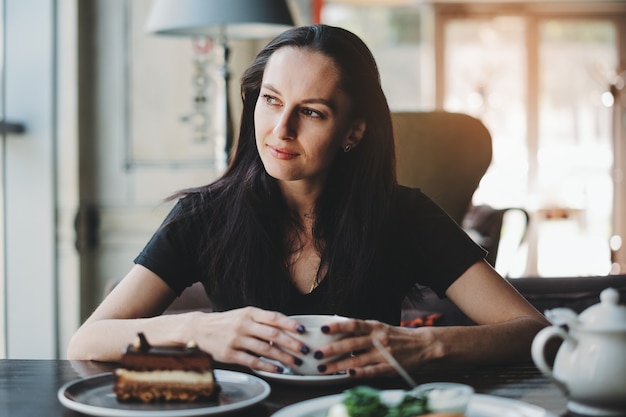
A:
(102, 119)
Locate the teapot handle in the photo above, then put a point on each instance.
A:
(538, 352)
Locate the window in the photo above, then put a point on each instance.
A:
(538, 79)
(576, 60)
(402, 45)
(2, 194)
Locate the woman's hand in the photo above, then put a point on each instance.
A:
(244, 335)
(506, 326)
(410, 347)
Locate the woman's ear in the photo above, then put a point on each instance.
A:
(355, 134)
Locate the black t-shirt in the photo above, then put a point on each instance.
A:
(425, 246)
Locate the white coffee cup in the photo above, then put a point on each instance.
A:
(314, 338)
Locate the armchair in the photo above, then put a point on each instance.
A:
(444, 154)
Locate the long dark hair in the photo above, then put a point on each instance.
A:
(245, 249)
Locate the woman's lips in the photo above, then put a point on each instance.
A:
(282, 153)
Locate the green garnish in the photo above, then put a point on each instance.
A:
(365, 401)
(410, 405)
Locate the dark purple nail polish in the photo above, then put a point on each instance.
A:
(352, 372)
(297, 361)
(300, 328)
(318, 354)
(321, 368)
(280, 369)
(325, 329)
(304, 349)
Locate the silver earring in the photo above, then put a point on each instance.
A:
(347, 148)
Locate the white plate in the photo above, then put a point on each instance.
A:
(479, 406)
(307, 380)
(94, 396)
(288, 376)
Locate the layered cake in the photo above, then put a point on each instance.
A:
(164, 373)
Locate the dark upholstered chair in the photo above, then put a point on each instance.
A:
(444, 154)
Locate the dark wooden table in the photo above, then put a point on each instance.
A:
(28, 388)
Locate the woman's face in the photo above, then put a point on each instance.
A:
(302, 116)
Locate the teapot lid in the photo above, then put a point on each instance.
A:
(607, 315)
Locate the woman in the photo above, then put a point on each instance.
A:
(308, 218)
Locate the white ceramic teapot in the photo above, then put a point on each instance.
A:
(590, 365)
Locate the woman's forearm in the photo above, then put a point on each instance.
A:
(490, 343)
(104, 340)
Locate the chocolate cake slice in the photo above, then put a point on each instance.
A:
(164, 373)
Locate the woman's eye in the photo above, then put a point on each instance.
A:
(312, 113)
(271, 100)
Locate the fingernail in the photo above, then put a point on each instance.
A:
(352, 372)
(304, 349)
(321, 368)
(300, 328)
(280, 369)
(297, 361)
(318, 354)
(325, 329)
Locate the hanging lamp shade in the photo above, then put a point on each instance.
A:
(235, 19)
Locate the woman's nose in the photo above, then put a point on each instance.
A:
(285, 127)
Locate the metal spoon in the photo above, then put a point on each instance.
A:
(394, 363)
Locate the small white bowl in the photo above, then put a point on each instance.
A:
(446, 397)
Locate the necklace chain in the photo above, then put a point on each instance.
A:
(305, 261)
(315, 282)
(312, 267)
